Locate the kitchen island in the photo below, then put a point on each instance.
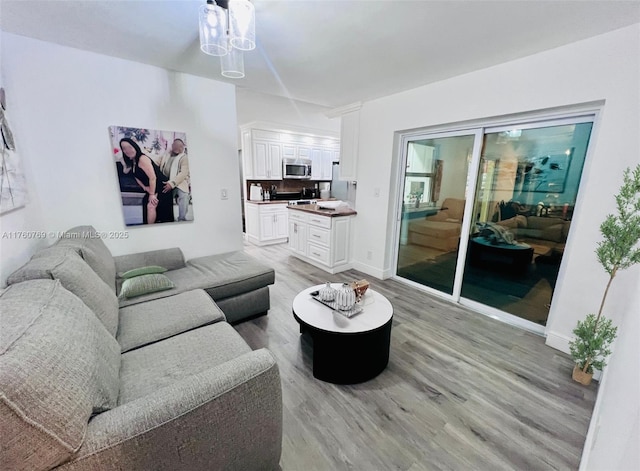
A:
(321, 237)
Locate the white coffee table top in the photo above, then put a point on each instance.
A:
(376, 312)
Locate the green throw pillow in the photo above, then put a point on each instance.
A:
(150, 270)
(145, 284)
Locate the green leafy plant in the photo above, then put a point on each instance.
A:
(619, 250)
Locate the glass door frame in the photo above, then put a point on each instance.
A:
(580, 114)
(476, 132)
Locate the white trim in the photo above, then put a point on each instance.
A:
(467, 216)
(534, 116)
(426, 289)
(557, 116)
(337, 112)
(503, 316)
(288, 128)
(558, 341)
(369, 270)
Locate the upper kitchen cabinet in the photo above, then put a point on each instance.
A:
(264, 146)
(420, 158)
(247, 160)
(349, 135)
(267, 160)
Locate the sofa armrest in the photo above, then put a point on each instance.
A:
(171, 259)
(227, 417)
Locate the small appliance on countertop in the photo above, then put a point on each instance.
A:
(310, 193)
(297, 202)
(255, 192)
(285, 195)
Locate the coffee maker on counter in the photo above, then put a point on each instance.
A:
(312, 193)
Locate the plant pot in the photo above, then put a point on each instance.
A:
(581, 377)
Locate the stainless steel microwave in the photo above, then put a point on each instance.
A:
(299, 169)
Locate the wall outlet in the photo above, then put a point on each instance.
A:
(369, 255)
(224, 194)
(376, 192)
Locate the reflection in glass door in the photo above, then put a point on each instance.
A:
(526, 193)
(433, 201)
(484, 214)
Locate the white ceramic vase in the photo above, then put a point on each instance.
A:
(345, 297)
(327, 293)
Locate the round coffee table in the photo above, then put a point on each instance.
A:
(346, 350)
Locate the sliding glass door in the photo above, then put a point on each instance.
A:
(484, 214)
(524, 202)
(434, 190)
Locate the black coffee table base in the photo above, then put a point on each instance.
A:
(348, 358)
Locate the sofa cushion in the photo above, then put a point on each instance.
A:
(161, 364)
(171, 259)
(452, 208)
(230, 274)
(221, 276)
(66, 265)
(145, 284)
(58, 366)
(150, 270)
(159, 319)
(437, 229)
(87, 242)
(514, 222)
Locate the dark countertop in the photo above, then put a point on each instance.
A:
(313, 208)
(269, 202)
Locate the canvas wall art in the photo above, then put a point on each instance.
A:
(13, 188)
(153, 174)
(544, 174)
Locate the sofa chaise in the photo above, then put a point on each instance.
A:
(88, 382)
(442, 230)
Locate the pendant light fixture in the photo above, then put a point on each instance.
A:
(227, 28)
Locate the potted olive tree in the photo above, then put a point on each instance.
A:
(619, 249)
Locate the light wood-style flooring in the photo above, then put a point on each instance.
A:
(461, 392)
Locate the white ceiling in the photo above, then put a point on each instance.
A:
(326, 52)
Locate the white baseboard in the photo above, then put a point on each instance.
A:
(369, 270)
(558, 341)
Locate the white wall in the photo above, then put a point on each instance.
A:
(603, 68)
(256, 106)
(62, 102)
(560, 77)
(614, 434)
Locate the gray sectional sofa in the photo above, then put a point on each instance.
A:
(91, 382)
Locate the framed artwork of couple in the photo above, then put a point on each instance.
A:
(153, 174)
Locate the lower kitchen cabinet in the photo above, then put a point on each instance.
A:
(322, 241)
(266, 224)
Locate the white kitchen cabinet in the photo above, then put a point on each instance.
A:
(349, 135)
(247, 156)
(322, 160)
(320, 240)
(420, 159)
(298, 237)
(327, 163)
(316, 164)
(266, 224)
(267, 160)
(263, 150)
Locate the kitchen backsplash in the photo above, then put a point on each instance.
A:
(282, 185)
